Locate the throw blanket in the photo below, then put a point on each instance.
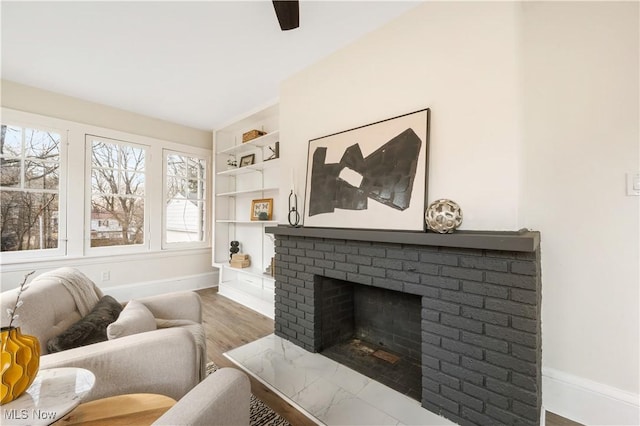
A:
(198, 334)
(84, 292)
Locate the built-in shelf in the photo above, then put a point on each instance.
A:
(252, 271)
(234, 190)
(246, 192)
(524, 241)
(248, 222)
(248, 169)
(260, 142)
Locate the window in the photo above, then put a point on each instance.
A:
(31, 182)
(118, 194)
(185, 198)
(70, 190)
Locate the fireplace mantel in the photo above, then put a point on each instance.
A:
(520, 241)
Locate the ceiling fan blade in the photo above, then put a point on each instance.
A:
(288, 13)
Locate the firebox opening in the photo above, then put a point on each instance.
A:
(373, 331)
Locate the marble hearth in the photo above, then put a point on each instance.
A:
(325, 391)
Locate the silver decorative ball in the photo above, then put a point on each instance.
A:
(443, 216)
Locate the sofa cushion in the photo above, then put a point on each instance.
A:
(90, 329)
(134, 318)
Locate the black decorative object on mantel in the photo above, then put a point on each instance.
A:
(294, 215)
(234, 248)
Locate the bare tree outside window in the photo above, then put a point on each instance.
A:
(29, 188)
(117, 194)
(185, 210)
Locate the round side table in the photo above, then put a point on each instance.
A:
(53, 393)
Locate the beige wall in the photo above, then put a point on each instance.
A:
(534, 124)
(469, 78)
(581, 138)
(30, 99)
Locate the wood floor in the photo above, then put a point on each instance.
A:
(230, 325)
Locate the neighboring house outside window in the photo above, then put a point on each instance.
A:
(32, 186)
(117, 200)
(185, 199)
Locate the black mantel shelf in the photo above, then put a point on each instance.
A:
(524, 241)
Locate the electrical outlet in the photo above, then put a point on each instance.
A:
(106, 275)
(633, 184)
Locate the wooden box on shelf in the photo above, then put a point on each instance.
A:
(240, 263)
(252, 134)
(240, 260)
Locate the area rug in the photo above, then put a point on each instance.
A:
(261, 414)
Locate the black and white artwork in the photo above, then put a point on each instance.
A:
(372, 177)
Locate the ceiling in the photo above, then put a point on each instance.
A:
(200, 64)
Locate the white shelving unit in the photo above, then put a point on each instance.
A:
(248, 222)
(235, 188)
(245, 192)
(249, 169)
(262, 141)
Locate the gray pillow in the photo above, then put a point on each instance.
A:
(135, 318)
(90, 329)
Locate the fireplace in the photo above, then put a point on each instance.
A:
(374, 331)
(478, 295)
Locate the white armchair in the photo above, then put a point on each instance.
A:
(222, 399)
(167, 361)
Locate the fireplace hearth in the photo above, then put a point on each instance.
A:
(478, 298)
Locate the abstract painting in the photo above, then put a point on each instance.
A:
(372, 177)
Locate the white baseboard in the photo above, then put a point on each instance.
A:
(127, 292)
(588, 402)
(258, 304)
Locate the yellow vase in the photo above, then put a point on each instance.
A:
(20, 362)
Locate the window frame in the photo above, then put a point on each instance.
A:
(61, 249)
(147, 199)
(74, 191)
(206, 201)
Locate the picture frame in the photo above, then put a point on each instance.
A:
(370, 177)
(247, 160)
(264, 205)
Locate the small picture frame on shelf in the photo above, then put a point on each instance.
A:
(262, 209)
(247, 160)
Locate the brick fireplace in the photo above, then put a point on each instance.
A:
(479, 309)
